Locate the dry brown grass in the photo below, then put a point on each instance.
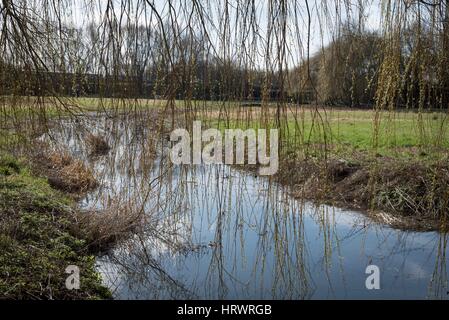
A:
(76, 177)
(414, 192)
(64, 172)
(97, 145)
(100, 228)
(105, 228)
(59, 159)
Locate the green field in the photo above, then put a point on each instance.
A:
(399, 133)
(402, 133)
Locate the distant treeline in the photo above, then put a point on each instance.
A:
(345, 73)
(46, 83)
(405, 66)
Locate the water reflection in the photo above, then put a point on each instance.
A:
(213, 232)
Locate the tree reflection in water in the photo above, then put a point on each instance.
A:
(215, 232)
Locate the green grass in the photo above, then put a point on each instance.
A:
(36, 241)
(400, 134)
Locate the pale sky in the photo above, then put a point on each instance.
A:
(322, 28)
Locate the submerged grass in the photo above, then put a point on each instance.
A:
(37, 243)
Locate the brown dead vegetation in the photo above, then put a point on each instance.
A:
(97, 145)
(414, 194)
(64, 172)
(104, 228)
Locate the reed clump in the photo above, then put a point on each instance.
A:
(104, 228)
(97, 145)
(64, 172)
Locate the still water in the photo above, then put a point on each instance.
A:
(216, 232)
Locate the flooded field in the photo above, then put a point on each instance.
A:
(216, 232)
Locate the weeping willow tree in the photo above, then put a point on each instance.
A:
(343, 73)
(210, 59)
(235, 50)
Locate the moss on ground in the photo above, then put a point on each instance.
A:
(36, 241)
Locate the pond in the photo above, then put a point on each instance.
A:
(217, 232)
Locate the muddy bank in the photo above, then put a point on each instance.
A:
(405, 194)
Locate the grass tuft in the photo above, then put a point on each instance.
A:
(64, 172)
(97, 145)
